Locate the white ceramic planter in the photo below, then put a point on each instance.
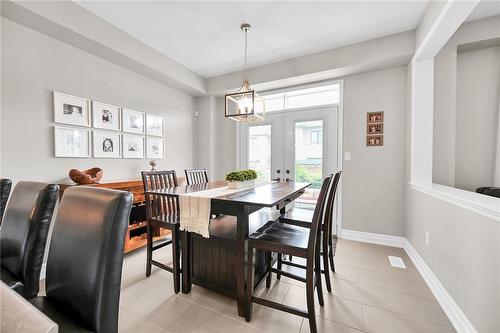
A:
(246, 183)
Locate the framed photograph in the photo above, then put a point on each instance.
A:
(107, 145)
(133, 121)
(154, 148)
(106, 116)
(154, 125)
(71, 142)
(133, 146)
(71, 110)
(374, 129)
(375, 117)
(375, 140)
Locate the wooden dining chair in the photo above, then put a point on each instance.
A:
(287, 239)
(328, 240)
(162, 212)
(196, 176)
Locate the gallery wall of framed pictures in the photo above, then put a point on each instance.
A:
(100, 130)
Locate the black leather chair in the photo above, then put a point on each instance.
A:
(84, 266)
(489, 190)
(5, 185)
(23, 235)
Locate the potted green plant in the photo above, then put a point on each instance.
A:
(241, 178)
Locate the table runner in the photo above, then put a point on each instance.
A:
(195, 207)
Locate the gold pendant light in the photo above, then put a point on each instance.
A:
(245, 104)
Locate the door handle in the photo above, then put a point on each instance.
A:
(277, 179)
(288, 179)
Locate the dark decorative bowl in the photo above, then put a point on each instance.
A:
(85, 177)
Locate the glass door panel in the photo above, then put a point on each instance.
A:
(309, 159)
(259, 150)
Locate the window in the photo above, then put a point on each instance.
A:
(316, 136)
(301, 98)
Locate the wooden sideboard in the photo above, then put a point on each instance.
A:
(137, 229)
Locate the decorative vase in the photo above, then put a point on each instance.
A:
(153, 165)
(86, 177)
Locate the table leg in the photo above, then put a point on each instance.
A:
(241, 249)
(186, 262)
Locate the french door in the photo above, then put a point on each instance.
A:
(296, 146)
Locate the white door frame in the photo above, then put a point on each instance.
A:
(340, 148)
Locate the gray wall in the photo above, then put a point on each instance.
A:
(478, 88)
(470, 35)
(464, 248)
(464, 254)
(33, 65)
(374, 178)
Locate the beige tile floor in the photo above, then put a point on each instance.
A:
(368, 296)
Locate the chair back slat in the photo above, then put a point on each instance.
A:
(317, 219)
(157, 205)
(196, 176)
(330, 204)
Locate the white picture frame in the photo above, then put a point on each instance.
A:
(71, 110)
(133, 121)
(133, 146)
(106, 116)
(155, 125)
(71, 142)
(106, 144)
(155, 148)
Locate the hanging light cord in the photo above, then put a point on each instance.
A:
(246, 48)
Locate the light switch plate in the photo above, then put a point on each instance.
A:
(347, 156)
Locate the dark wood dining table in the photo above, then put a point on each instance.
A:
(219, 263)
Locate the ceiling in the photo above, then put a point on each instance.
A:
(205, 37)
(485, 8)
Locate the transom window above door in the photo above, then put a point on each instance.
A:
(302, 98)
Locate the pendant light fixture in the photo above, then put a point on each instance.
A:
(245, 104)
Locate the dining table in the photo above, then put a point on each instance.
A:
(19, 315)
(218, 262)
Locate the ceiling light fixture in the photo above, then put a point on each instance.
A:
(245, 104)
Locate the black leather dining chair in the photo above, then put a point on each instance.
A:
(282, 238)
(23, 235)
(5, 186)
(84, 266)
(196, 176)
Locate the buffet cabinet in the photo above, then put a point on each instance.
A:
(137, 228)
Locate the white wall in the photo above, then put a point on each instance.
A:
(478, 92)
(33, 65)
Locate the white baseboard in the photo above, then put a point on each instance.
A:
(368, 237)
(459, 320)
